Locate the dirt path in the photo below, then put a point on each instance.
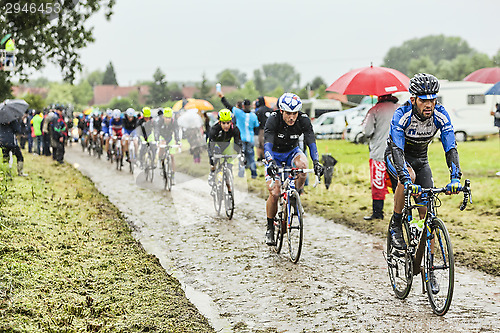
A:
(340, 282)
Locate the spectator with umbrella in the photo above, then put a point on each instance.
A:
(11, 112)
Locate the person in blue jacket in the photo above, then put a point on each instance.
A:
(247, 122)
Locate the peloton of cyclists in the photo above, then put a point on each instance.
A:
(129, 125)
(413, 127)
(219, 139)
(281, 145)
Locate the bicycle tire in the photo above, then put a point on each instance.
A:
(217, 192)
(400, 264)
(443, 267)
(131, 158)
(279, 229)
(98, 148)
(228, 196)
(148, 169)
(89, 146)
(294, 227)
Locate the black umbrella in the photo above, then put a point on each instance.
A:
(12, 109)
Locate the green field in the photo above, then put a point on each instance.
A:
(68, 261)
(475, 232)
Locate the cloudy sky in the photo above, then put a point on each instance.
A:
(326, 38)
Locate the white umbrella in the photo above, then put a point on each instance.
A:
(190, 119)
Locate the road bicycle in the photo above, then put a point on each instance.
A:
(290, 216)
(115, 143)
(220, 192)
(432, 244)
(167, 166)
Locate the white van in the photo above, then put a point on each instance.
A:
(331, 125)
(316, 107)
(469, 108)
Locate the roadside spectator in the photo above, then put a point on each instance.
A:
(10, 48)
(262, 111)
(59, 135)
(22, 137)
(46, 133)
(377, 125)
(246, 121)
(496, 114)
(36, 122)
(8, 143)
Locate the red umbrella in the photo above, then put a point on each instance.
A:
(484, 75)
(371, 80)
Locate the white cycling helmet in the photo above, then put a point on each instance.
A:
(109, 112)
(290, 102)
(117, 113)
(130, 112)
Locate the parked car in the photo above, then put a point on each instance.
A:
(332, 125)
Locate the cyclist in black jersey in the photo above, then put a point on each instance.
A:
(281, 145)
(219, 138)
(413, 127)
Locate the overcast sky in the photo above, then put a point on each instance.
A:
(326, 38)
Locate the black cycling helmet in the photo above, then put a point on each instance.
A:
(424, 86)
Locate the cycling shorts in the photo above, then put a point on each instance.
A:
(128, 131)
(420, 166)
(286, 157)
(118, 132)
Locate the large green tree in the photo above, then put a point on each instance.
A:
(158, 89)
(437, 48)
(56, 38)
(232, 77)
(109, 76)
(280, 75)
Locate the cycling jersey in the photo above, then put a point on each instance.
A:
(166, 130)
(105, 125)
(281, 138)
(116, 126)
(129, 125)
(217, 137)
(409, 139)
(245, 121)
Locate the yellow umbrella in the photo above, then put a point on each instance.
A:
(192, 103)
(88, 111)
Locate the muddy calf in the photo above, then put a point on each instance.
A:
(328, 162)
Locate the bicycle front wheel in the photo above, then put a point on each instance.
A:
(149, 166)
(439, 268)
(295, 226)
(400, 263)
(217, 192)
(279, 230)
(228, 195)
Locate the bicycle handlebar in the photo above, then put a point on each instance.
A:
(226, 156)
(295, 171)
(465, 189)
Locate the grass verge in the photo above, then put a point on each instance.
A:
(68, 262)
(475, 232)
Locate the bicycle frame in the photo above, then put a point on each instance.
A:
(431, 214)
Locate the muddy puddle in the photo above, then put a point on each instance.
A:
(241, 285)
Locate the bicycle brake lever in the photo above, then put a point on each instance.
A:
(317, 182)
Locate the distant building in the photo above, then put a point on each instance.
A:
(20, 91)
(103, 94)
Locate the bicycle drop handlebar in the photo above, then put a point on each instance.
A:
(295, 171)
(465, 189)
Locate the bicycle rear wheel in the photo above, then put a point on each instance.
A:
(228, 196)
(131, 157)
(400, 263)
(441, 264)
(295, 227)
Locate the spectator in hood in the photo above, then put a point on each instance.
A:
(247, 122)
(262, 111)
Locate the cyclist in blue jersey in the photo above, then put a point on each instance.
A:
(105, 129)
(129, 125)
(413, 127)
(281, 144)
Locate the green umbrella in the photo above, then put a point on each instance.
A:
(5, 38)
